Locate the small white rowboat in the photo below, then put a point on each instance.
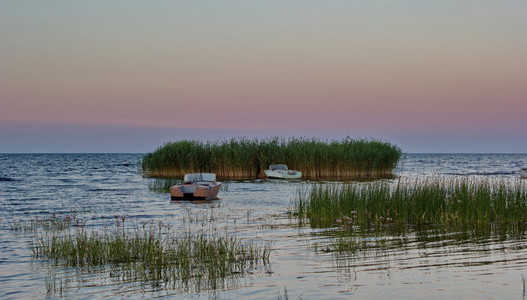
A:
(282, 172)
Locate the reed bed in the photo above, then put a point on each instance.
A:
(241, 158)
(154, 253)
(454, 201)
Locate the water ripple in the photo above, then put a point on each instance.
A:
(101, 188)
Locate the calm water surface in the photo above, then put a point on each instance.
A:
(96, 188)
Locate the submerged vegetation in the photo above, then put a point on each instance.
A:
(386, 241)
(51, 223)
(456, 201)
(162, 185)
(243, 158)
(152, 252)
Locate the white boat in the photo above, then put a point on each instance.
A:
(523, 173)
(196, 186)
(281, 171)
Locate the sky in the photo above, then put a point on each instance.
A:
(128, 76)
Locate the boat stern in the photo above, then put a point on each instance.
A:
(176, 192)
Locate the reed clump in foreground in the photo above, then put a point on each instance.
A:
(154, 253)
(241, 158)
(454, 201)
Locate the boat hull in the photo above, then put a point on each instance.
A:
(283, 174)
(195, 191)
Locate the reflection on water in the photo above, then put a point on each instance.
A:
(120, 281)
(383, 262)
(427, 242)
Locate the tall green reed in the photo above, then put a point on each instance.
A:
(454, 201)
(241, 158)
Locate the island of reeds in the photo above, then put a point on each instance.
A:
(241, 158)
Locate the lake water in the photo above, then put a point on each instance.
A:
(96, 188)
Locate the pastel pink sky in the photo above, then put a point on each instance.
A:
(402, 71)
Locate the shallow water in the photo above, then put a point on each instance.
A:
(96, 188)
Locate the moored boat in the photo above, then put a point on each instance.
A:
(280, 171)
(523, 173)
(196, 186)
